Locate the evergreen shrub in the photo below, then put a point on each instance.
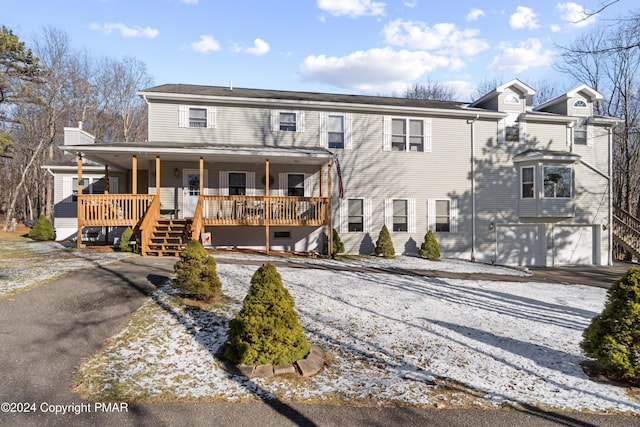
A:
(384, 245)
(42, 229)
(429, 248)
(337, 245)
(613, 337)
(125, 240)
(266, 330)
(196, 275)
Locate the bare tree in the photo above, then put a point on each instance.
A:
(429, 90)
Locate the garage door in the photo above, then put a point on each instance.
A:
(573, 245)
(520, 245)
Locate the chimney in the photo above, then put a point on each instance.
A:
(230, 84)
(80, 125)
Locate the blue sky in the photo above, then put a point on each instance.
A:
(344, 46)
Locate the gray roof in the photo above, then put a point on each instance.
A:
(223, 91)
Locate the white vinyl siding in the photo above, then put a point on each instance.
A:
(184, 116)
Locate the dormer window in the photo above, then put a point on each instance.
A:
(511, 99)
(580, 104)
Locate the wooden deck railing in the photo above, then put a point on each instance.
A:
(148, 224)
(113, 209)
(260, 210)
(626, 230)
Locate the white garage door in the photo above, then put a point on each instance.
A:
(573, 245)
(520, 245)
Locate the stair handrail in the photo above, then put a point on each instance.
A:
(196, 226)
(146, 226)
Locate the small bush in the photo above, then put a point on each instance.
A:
(337, 247)
(613, 337)
(429, 248)
(384, 245)
(125, 240)
(266, 330)
(196, 275)
(42, 229)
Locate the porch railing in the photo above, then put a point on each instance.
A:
(113, 209)
(626, 230)
(148, 223)
(261, 210)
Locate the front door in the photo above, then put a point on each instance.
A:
(191, 191)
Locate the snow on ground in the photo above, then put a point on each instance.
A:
(390, 339)
(25, 263)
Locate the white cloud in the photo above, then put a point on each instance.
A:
(575, 15)
(371, 70)
(442, 36)
(352, 8)
(474, 14)
(125, 31)
(206, 44)
(259, 48)
(516, 59)
(523, 18)
(411, 4)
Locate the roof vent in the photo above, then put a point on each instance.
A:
(230, 84)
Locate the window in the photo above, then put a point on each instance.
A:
(580, 104)
(399, 135)
(197, 117)
(237, 183)
(281, 234)
(295, 185)
(511, 99)
(443, 218)
(356, 215)
(580, 132)
(335, 129)
(557, 181)
(399, 215)
(526, 177)
(288, 121)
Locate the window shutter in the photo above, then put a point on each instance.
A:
(251, 183)
(275, 120)
(212, 117)
(308, 185)
(283, 184)
(344, 216)
(348, 134)
(453, 215)
(67, 189)
(386, 134)
(427, 135)
(183, 116)
(324, 136)
(113, 184)
(501, 131)
(431, 214)
(368, 215)
(411, 214)
(569, 136)
(300, 121)
(388, 213)
(223, 183)
(522, 132)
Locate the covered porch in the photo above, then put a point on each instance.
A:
(169, 199)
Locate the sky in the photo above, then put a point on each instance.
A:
(337, 46)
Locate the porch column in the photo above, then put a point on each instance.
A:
(201, 176)
(321, 180)
(329, 228)
(106, 179)
(79, 208)
(158, 176)
(134, 174)
(267, 206)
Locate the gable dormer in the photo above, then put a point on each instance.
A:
(510, 97)
(578, 102)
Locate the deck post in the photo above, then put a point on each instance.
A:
(329, 228)
(201, 176)
(267, 206)
(134, 184)
(321, 180)
(158, 175)
(79, 204)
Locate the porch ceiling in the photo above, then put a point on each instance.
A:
(119, 155)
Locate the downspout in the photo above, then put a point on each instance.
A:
(610, 213)
(473, 187)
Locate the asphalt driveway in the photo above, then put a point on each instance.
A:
(46, 332)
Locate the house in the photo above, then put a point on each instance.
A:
(497, 180)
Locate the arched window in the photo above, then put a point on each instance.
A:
(580, 104)
(511, 99)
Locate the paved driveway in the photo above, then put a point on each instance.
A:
(46, 332)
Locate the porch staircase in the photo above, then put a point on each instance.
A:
(626, 232)
(169, 237)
